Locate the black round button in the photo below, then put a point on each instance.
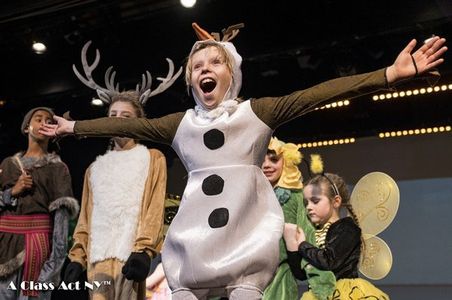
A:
(219, 217)
(213, 139)
(212, 185)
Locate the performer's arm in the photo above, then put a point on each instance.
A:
(341, 242)
(78, 252)
(150, 227)
(63, 208)
(160, 130)
(6, 199)
(8, 182)
(276, 111)
(294, 262)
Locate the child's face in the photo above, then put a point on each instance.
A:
(318, 205)
(39, 118)
(272, 167)
(210, 76)
(122, 109)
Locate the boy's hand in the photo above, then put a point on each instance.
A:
(62, 127)
(424, 59)
(290, 236)
(25, 182)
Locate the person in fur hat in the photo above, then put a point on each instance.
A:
(36, 203)
(120, 225)
(225, 237)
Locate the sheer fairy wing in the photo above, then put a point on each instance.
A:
(375, 200)
(376, 258)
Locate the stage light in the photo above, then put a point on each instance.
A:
(39, 48)
(415, 92)
(337, 104)
(428, 130)
(328, 143)
(188, 3)
(429, 39)
(96, 102)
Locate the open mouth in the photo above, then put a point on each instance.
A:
(207, 85)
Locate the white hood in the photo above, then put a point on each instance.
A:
(234, 89)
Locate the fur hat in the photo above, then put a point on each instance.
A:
(30, 113)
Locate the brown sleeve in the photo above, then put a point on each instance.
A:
(160, 130)
(9, 173)
(275, 111)
(62, 182)
(79, 250)
(150, 226)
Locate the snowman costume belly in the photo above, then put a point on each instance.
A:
(227, 230)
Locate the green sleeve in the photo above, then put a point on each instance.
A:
(290, 208)
(160, 130)
(275, 111)
(303, 221)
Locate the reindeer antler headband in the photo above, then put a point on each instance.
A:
(106, 93)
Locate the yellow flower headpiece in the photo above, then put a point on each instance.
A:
(291, 176)
(276, 145)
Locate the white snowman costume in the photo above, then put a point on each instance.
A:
(225, 237)
(228, 195)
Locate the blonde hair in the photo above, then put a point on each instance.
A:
(228, 60)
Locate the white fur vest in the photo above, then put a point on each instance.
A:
(117, 181)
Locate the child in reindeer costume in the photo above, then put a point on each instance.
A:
(36, 204)
(225, 237)
(121, 220)
(281, 168)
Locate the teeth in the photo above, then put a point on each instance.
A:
(206, 80)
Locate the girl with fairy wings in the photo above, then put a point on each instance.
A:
(225, 238)
(338, 240)
(120, 226)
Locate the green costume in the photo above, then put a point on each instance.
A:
(289, 193)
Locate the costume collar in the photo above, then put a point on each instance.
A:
(39, 162)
